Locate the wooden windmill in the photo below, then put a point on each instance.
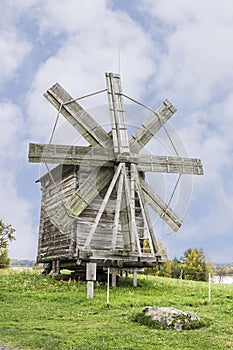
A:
(95, 203)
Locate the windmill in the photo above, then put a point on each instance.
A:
(101, 214)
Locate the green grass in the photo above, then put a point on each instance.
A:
(37, 312)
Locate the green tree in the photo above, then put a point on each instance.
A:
(4, 259)
(195, 266)
(161, 269)
(192, 265)
(176, 268)
(6, 235)
(164, 269)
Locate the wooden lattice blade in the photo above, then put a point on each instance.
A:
(162, 164)
(77, 116)
(75, 155)
(80, 155)
(160, 207)
(117, 113)
(82, 197)
(151, 126)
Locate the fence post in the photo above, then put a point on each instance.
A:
(108, 281)
(209, 288)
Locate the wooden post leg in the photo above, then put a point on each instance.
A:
(54, 266)
(135, 278)
(90, 289)
(114, 278)
(58, 267)
(90, 277)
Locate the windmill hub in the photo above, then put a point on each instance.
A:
(100, 202)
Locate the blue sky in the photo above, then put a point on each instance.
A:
(175, 49)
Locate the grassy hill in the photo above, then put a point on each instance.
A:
(40, 313)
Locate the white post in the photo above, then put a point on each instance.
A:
(90, 277)
(113, 278)
(108, 288)
(90, 289)
(135, 278)
(209, 289)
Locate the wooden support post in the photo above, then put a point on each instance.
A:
(90, 277)
(113, 278)
(135, 278)
(54, 266)
(58, 267)
(90, 289)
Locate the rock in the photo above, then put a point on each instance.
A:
(170, 318)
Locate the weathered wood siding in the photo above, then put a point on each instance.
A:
(53, 244)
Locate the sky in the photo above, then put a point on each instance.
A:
(164, 49)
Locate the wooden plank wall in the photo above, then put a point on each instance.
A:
(54, 244)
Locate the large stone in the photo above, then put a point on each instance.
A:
(170, 318)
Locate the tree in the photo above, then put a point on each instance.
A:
(4, 259)
(165, 269)
(6, 235)
(176, 268)
(195, 266)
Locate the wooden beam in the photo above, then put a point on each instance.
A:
(102, 207)
(152, 240)
(133, 226)
(77, 116)
(117, 212)
(151, 126)
(165, 164)
(75, 155)
(160, 207)
(117, 113)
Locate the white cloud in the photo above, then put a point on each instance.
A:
(59, 18)
(14, 209)
(13, 50)
(17, 211)
(197, 57)
(84, 55)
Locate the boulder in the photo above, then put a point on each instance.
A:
(170, 318)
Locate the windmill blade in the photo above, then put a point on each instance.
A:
(151, 126)
(77, 116)
(160, 207)
(75, 155)
(162, 164)
(116, 107)
(82, 197)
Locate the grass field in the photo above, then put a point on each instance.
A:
(38, 312)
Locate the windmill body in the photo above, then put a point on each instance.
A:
(95, 202)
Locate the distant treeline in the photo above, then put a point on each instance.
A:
(224, 269)
(16, 262)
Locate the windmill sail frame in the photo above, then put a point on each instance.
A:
(100, 212)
